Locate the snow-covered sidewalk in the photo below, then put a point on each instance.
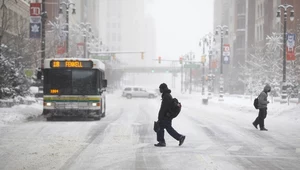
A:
(20, 113)
(289, 111)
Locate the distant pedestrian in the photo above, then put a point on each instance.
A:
(164, 120)
(262, 106)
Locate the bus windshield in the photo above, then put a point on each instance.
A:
(70, 82)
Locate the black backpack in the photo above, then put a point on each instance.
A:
(175, 108)
(255, 103)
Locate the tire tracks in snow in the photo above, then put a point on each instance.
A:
(144, 159)
(94, 134)
(251, 149)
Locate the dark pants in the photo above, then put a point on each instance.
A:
(166, 124)
(260, 120)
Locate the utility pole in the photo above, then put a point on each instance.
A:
(43, 40)
(190, 57)
(203, 42)
(67, 5)
(224, 31)
(285, 8)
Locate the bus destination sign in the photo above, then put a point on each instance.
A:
(71, 64)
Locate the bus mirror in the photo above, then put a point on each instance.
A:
(39, 75)
(104, 83)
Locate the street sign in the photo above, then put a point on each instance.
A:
(226, 54)
(106, 57)
(290, 47)
(35, 20)
(191, 66)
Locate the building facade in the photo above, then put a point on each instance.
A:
(250, 23)
(125, 27)
(14, 16)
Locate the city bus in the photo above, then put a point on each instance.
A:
(74, 87)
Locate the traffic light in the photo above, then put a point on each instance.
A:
(159, 59)
(180, 60)
(142, 55)
(203, 59)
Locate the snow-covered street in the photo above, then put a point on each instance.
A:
(219, 135)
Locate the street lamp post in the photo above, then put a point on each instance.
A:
(43, 41)
(206, 40)
(190, 57)
(209, 74)
(221, 28)
(203, 42)
(285, 7)
(181, 70)
(67, 5)
(86, 29)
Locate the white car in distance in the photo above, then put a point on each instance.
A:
(130, 92)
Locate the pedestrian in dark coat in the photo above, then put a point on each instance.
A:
(262, 106)
(164, 120)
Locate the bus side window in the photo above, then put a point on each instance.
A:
(99, 82)
(104, 83)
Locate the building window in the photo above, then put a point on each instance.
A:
(261, 10)
(241, 8)
(257, 14)
(113, 37)
(119, 37)
(241, 41)
(241, 23)
(262, 32)
(113, 25)
(257, 33)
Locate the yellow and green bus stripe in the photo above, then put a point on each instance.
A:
(72, 99)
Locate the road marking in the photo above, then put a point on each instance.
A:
(203, 147)
(268, 149)
(298, 150)
(234, 148)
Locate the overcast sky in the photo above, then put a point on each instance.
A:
(180, 25)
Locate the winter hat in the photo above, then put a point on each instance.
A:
(267, 88)
(163, 86)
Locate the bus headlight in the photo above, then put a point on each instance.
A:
(95, 104)
(47, 104)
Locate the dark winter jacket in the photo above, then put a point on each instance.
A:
(165, 104)
(263, 97)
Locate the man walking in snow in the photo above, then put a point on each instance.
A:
(164, 120)
(262, 106)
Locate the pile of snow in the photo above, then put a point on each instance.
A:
(20, 113)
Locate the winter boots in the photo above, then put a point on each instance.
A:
(160, 144)
(181, 140)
